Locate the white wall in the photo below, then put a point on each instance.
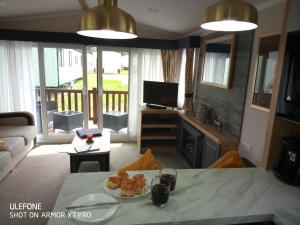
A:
(70, 23)
(255, 120)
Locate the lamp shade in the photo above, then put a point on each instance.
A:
(230, 15)
(107, 21)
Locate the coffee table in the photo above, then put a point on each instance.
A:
(101, 155)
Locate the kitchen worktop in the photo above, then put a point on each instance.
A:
(202, 196)
(210, 130)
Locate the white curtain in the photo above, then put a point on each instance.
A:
(17, 89)
(145, 64)
(181, 86)
(216, 67)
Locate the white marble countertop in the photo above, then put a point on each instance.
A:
(202, 196)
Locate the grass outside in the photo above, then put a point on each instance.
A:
(111, 82)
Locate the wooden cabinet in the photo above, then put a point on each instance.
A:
(170, 130)
(158, 130)
(211, 144)
(211, 152)
(191, 144)
(198, 150)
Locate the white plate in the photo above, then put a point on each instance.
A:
(117, 192)
(95, 215)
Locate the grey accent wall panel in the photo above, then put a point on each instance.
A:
(229, 103)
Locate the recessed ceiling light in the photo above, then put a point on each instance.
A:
(153, 10)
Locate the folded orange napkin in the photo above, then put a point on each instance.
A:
(144, 162)
(2, 143)
(231, 159)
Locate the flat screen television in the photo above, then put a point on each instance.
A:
(160, 93)
(289, 96)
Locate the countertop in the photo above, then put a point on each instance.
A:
(202, 196)
(209, 130)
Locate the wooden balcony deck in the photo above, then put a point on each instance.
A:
(71, 99)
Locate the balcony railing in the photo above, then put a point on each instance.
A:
(71, 99)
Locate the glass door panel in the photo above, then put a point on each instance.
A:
(64, 85)
(92, 84)
(115, 77)
(36, 79)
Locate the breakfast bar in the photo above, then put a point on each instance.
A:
(202, 196)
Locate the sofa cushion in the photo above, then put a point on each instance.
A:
(27, 132)
(144, 162)
(14, 145)
(230, 159)
(2, 143)
(5, 158)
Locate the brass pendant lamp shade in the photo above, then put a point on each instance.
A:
(107, 21)
(230, 15)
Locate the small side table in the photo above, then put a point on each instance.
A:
(115, 120)
(67, 120)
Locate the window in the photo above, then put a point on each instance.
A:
(76, 59)
(70, 58)
(61, 61)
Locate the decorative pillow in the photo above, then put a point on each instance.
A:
(144, 162)
(2, 143)
(231, 159)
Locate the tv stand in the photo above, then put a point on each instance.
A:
(171, 131)
(153, 106)
(158, 130)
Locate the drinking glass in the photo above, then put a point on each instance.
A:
(159, 192)
(168, 176)
(90, 136)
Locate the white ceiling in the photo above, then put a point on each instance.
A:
(180, 17)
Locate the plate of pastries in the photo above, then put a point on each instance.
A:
(125, 185)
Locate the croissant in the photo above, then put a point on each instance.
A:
(113, 182)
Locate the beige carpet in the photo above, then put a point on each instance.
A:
(39, 177)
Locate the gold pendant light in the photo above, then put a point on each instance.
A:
(107, 21)
(230, 15)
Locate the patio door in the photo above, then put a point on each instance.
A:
(63, 96)
(114, 86)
